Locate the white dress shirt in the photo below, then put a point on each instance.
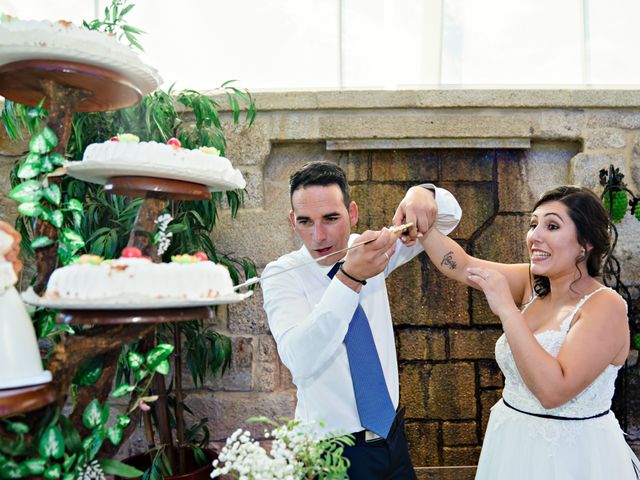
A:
(309, 315)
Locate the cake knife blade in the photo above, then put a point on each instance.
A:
(254, 280)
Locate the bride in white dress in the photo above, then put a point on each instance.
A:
(560, 354)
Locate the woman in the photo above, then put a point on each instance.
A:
(560, 354)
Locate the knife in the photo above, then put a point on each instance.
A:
(254, 280)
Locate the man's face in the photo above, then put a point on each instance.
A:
(321, 219)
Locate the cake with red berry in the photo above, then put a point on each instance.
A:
(126, 155)
(45, 40)
(134, 277)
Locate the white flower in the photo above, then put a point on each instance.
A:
(244, 458)
(90, 471)
(161, 238)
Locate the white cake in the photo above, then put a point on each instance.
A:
(139, 279)
(131, 158)
(61, 40)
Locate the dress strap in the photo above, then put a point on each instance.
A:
(567, 321)
(526, 305)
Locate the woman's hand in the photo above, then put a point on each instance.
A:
(496, 288)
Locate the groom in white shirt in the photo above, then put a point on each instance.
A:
(332, 322)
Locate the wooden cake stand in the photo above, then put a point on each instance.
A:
(118, 317)
(25, 82)
(25, 399)
(153, 187)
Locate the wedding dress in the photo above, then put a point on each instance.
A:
(520, 446)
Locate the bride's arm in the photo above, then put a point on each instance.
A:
(600, 337)
(451, 259)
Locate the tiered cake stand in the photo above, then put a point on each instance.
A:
(69, 87)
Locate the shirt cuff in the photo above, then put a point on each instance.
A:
(449, 211)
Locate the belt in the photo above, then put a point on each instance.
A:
(364, 437)
(554, 417)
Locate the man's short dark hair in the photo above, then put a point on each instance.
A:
(320, 173)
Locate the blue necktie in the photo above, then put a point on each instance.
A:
(375, 407)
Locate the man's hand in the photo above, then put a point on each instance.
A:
(13, 255)
(371, 259)
(418, 207)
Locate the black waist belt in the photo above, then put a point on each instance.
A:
(553, 417)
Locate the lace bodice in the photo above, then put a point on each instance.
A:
(594, 399)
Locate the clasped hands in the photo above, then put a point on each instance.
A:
(419, 208)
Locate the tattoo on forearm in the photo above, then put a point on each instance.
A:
(449, 261)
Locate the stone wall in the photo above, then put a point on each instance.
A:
(495, 150)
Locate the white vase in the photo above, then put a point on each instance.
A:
(20, 363)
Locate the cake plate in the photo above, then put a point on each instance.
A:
(118, 317)
(24, 82)
(25, 399)
(67, 87)
(154, 187)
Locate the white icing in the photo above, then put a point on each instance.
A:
(138, 278)
(159, 159)
(46, 40)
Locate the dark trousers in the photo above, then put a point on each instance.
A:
(381, 459)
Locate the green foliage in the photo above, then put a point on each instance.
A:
(40, 199)
(56, 449)
(88, 220)
(206, 351)
(114, 22)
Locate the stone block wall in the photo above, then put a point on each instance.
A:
(496, 150)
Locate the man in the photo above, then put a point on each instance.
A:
(332, 323)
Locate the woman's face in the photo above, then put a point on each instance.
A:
(552, 241)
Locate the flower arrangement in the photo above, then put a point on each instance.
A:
(297, 452)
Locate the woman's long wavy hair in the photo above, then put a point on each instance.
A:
(592, 228)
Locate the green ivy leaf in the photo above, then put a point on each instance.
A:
(30, 167)
(75, 205)
(56, 218)
(52, 194)
(11, 469)
(72, 239)
(105, 413)
(636, 341)
(40, 242)
(114, 467)
(71, 436)
(123, 421)
(122, 390)
(140, 374)
(135, 360)
(92, 416)
(163, 367)
(114, 434)
(38, 144)
(18, 427)
(90, 371)
(35, 466)
(29, 191)
(158, 354)
(69, 461)
(93, 442)
(51, 443)
(46, 165)
(54, 471)
(56, 159)
(50, 137)
(30, 209)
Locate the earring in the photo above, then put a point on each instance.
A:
(583, 254)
